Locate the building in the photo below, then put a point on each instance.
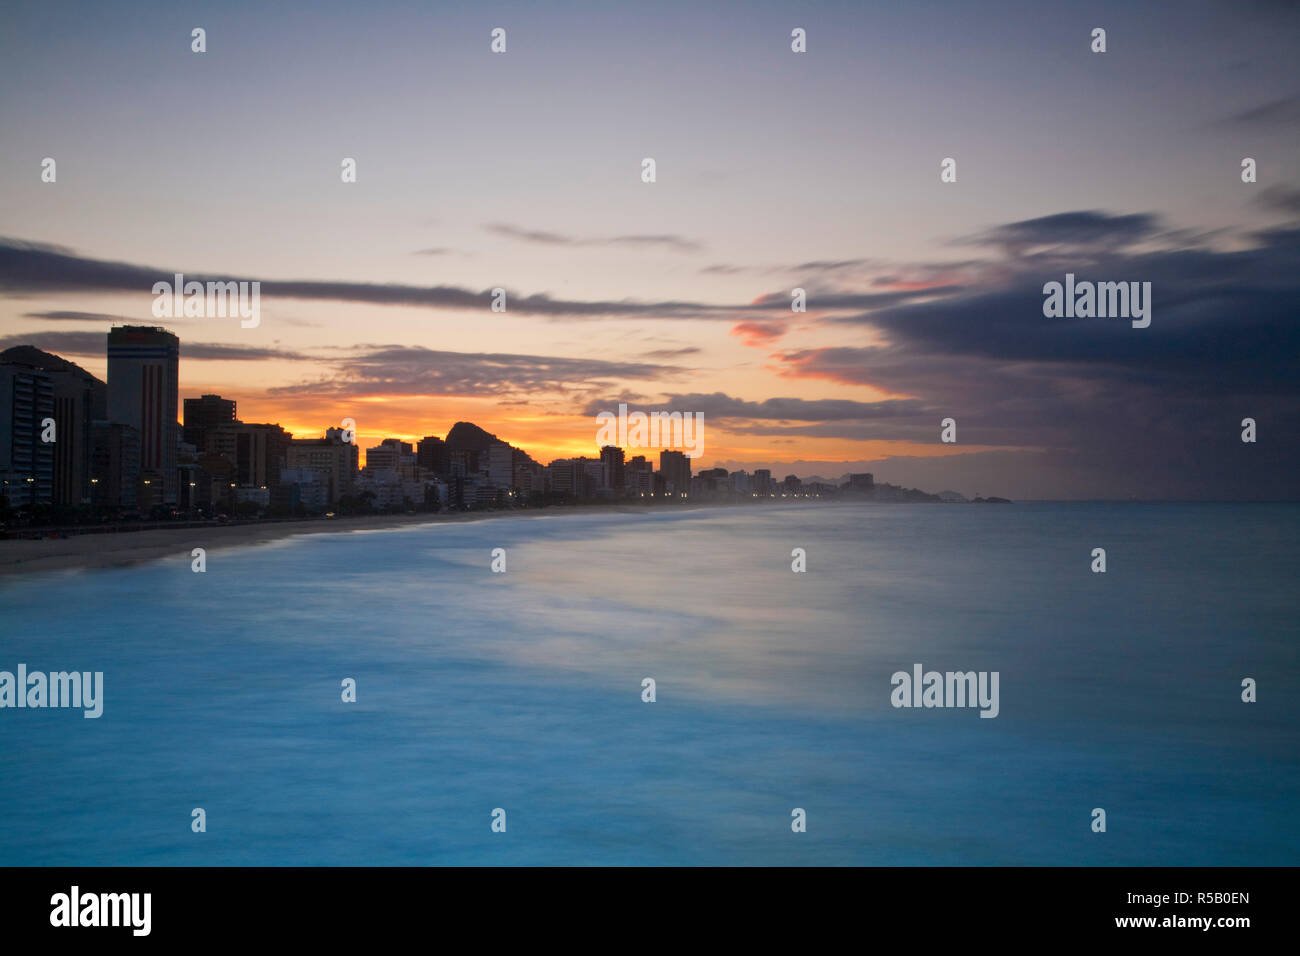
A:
(333, 459)
(529, 476)
(257, 452)
(612, 468)
(78, 400)
(26, 462)
(390, 490)
(580, 477)
(304, 488)
(392, 454)
(215, 482)
(432, 454)
(711, 482)
(189, 476)
(497, 465)
(114, 465)
(638, 477)
(143, 370)
(200, 414)
(676, 469)
(562, 479)
(863, 483)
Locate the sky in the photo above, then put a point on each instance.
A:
(775, 170)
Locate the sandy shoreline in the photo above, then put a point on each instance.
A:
(90, 551)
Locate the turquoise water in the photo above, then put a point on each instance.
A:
(523, 691)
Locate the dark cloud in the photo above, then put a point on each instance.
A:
(61, 316)
(831, 265)
(403, 370)
(30, 267)
(542, 237)
(1225, 318)
(1088, 228)
(238, 353)
(528, 235)
(673, 353)
(1154, 412)
(1281, 112)
(840, 301)
(1280, 198)
(95, 345)
(736, 411)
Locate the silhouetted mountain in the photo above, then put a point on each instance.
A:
(33, 357)
(466, 436)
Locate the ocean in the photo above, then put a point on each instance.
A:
(522, 691)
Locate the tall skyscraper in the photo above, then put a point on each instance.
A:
(143, 373)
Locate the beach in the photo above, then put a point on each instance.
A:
(120, 549)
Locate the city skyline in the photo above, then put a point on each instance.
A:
(95, 450)
(478, 171)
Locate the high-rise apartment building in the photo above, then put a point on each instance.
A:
(143, 375)
(26, 462)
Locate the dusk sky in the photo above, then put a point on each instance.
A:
(775, 170)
